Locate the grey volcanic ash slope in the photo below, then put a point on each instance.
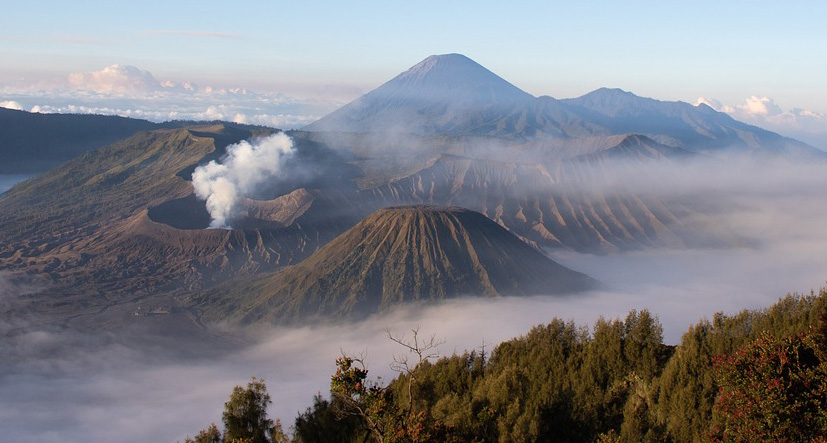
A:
(442, 94)
(396, 255)
(451, 94)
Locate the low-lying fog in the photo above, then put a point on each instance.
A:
(67, 387)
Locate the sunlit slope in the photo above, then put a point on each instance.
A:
(398, 255)
(123, 220)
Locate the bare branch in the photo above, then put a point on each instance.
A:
(423, 349)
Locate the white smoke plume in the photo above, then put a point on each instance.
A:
(246, 166)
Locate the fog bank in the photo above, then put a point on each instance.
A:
(60, 386)
(109, 390)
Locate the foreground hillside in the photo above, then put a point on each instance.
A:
(755, 376)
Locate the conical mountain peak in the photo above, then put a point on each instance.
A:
(435, 95)
(441, 61)
(451, 78)
(450, 94)
(402, 254)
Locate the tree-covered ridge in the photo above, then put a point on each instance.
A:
(759, 375)
(687, 386)
(560, 382)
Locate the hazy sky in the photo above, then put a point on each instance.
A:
(286, 64)
(669, 50)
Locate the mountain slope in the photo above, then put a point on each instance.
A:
(452, 95)
(122, 221)
(443, 93)
(397, 255)
(697, 128)
(552, 205)
(33, 142)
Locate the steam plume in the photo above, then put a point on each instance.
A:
(245, 166)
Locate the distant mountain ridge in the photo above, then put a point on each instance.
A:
(696, 128)
(452, 95)
(33, 142)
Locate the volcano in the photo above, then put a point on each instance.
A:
(121, 223)
(442, 94)
(398, 255)
(450, 94)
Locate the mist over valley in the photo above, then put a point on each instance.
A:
(157, 265)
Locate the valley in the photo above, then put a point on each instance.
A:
(122, 234)
(195, 254)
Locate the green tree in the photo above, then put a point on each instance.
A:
(321, 423)
(772, 390)
(245, 415)
(390, 419)
(643, 343)
(688, 386)
(686, 390)
(209, 435)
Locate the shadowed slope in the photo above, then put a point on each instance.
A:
(34, 142)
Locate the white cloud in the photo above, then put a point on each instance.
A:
(180, 86)
(801, 124)
(761, 106)
(11, 104)
(132, 92)
(115, 78)
(126, 79)
(712, 103)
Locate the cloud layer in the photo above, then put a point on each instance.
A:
(115, 78)
(801, 124)
(132, 92)
(64, 386)
(11, 104)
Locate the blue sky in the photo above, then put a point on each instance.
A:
(763, 62)
(669, 50)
